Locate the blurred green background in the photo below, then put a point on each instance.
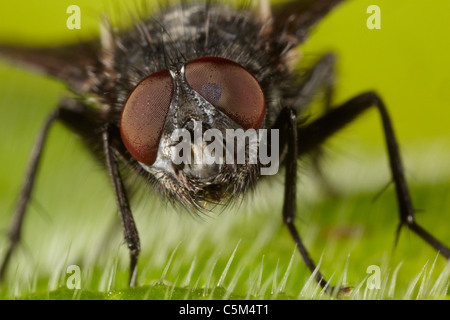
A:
(406, 62)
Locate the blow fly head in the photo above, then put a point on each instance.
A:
(177, 124)
(195, 100)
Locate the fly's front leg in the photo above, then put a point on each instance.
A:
(129, 227)
(318, 131)
(15, 228)
(80, 120)
(287, 122)
(83, 121)
(290, 191)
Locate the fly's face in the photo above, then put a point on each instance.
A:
(173, 120)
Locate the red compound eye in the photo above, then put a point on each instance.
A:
(229, 87)
(144, 115)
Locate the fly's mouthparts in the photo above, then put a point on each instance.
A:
(205, 151)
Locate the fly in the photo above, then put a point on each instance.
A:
(140, 94)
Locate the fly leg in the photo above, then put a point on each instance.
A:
(321, 129)
(99, 140)
(128, 224)
(287, 121)
(15, 228)
(85, 122)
